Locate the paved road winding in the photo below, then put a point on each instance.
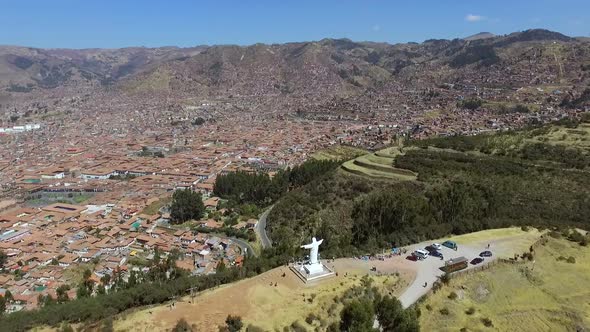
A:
(261, 229)
(244, 245)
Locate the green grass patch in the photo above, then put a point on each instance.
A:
(155, 207)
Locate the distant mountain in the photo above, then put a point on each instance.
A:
(334, 66)
(23, 69)
(310, 67)
(329, 66)
(481, 35)
(534, 35)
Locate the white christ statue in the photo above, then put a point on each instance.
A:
(313, 255)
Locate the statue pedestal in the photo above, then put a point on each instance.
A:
(309, 272)
(313, 268)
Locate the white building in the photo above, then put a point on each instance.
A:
(98, 174)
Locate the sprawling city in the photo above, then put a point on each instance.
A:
(322, 185)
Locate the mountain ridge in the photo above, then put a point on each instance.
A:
(334, 66)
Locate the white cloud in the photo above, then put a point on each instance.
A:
(376, 28)
(474, 18)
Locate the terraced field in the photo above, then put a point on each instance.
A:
(379, 165)
(578, 137)
(338, 153)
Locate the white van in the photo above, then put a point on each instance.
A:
(421, 254)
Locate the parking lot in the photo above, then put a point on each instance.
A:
(429, 269)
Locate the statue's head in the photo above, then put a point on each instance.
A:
(313, 239)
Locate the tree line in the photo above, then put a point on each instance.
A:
(261, 189)
(517, 144)
(157, 286)
(186, 205)
(364, 304)
(455, 193)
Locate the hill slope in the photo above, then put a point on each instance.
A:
(23, 69)
(548, 294)
(329, 66)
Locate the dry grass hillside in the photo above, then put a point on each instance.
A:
(548, 294)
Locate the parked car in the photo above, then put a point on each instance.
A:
(436, 246)
(450, 244)
(436, 253)
(476, 261)
(421, 254)
(486, 253)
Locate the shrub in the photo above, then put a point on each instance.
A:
(446, 278)
(182, 326)
(252, 328)
(470, 104)
(453, 295)
(444, 311)
(66, 328)
(571, 260)
(575, 236)
(333, 308)
(310, 318)
(470, 311)
(334, 327)
(107, 325)
(487, 322)
(428, 307)
(436, 286)
(298, 327)
(525, 228)
(233, 323)
(555, 234)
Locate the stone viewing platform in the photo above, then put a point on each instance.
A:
(313, 269)
(303, 273)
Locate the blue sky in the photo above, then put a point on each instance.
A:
(120, 23)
